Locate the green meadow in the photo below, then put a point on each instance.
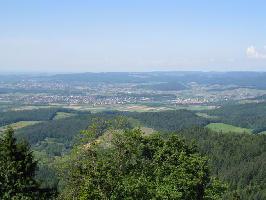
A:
(227, 128)
(19, 125)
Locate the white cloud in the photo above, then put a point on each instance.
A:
(253, 53)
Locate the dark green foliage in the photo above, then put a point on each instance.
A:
(100, 125)
(56, 137)
(42, 114)
(46, 175)
(251, 115)
(236, 159)
(128, 165)
(63, 130)
(170, 120)
(17, 170)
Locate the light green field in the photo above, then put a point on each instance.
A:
(139, 107)
(19, 125)
(197, 107)
(204, 115)
(124, 107)
(227, 128)
(18, 108)
(62, 115)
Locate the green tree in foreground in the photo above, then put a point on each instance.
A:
(130, 165)
(17, 170)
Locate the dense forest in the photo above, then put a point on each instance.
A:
(169, 120)
(41, 114)
(129, 165)
(237, 160)
(17, 171)
(64, 130)
(251, 115)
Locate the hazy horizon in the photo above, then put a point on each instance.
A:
(99, 72)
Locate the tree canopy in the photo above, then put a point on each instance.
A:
(130, 165)
(17, 170)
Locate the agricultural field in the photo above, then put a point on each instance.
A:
(124, 107)
(62, 115)
(204, 115)
(19, 125)
(227, 128)
(139, 107)
(196, 107)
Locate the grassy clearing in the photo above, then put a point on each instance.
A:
(193, 107)
(62, 115)
(19, 108)
(118, 107)
(227, 128)
(138, 107)
(201, 107)
(142, 108)
(204, 115)
(19, 125)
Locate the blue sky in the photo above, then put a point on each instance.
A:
(132, 35)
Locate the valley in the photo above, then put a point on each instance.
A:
(227, 123)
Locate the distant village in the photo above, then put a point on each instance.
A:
(43, 93)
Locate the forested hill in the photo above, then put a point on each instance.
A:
(170, 120)
(250, 115)
(240, 79)
(236, 159)
(41, 114)
(64, 130)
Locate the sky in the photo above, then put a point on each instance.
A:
(132, 35)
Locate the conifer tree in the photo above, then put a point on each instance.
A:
(17, 170)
